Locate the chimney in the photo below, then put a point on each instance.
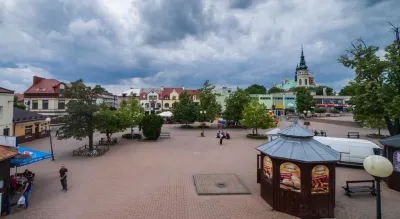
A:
(37, 80)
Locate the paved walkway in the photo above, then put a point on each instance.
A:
(154, 180)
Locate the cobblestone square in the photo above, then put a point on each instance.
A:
(154, 180)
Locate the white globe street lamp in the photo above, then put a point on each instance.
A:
(379, 167)
(48, 120)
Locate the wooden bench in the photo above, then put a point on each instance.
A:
(165, 135)
(353, 134)
(319, 133)
(369, 186)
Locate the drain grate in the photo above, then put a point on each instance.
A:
(219, 184)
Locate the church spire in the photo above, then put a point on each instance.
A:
(303, 65)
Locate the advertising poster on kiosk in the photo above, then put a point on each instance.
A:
(320, 180)
(290, 177)
(268, 167)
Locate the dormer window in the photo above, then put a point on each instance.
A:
(61, 90)
(38, 89)
(44, 89)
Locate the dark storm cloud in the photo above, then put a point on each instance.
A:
(174, 20)
(240, 4)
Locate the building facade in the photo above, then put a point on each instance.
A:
(150, 100)
(6, 111)
(224, 93)
(29, 125)
(169, 97)
(132, 92)
(46, 97)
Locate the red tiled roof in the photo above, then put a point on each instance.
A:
(20, 97)
(7, 91)
(45, 86)
(193, 92)
(168, 91)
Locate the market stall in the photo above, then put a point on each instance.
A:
(297, 174)
(392, 153)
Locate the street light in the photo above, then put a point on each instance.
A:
(48, 120)
(203, 113)
(379, 167)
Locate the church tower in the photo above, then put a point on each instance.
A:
(303, 77)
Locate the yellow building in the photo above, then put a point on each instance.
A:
(170, 96)
(29, 126)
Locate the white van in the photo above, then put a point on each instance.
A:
(352, 151)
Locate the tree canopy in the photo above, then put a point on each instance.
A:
(274, 89)
(208, 101)
(80, 121)
(304, 100)
(349, 89)
(256, 117)
(320, 90)
(256, 89)
(184, 110)
(111, 121)
(235, 104)
(18, 105)
(377, 84)
(133, 110)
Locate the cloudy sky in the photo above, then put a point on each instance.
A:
(151, 43)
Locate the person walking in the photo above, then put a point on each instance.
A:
(221, 137)
(63, 178)
(27, 190)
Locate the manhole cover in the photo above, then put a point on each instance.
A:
(221, 185)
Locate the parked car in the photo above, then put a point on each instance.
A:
(352, 151)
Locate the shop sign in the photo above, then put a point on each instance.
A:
(279, 106)
(268, 167)
(396, 161)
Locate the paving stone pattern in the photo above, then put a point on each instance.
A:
(154, 180)
(219, 184)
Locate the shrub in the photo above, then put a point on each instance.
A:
(335, 111)
(377, 136)
(307, 123)
(257, 136)
(320, 110)
(151, 125)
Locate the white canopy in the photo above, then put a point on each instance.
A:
(273, 132)
(165, 114)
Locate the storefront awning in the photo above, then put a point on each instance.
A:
(33, 157)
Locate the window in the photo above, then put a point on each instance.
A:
(299, 81)
(6, 131)
(61, 90)
(166, 105)
(158, 105)
(28, 131)
(153, 105)
(305, 81)
(35, 104)
(45, 104)
(147, 105)
(61, 104)
(174, 97)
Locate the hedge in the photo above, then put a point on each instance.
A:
(129, 136)
(255, 136)
(151, 125)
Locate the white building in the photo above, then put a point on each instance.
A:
(223, 94)
(123, 96)
(150, 100)
(6, 111)
(303, 77)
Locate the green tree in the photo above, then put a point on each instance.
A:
(111, 121)
(256, 117)
(320, 90)
(184, 110)
(256, 89)
(274, 89)
(320, 111)
(304, 100)
(133, 111)
(18, 105)
(371, 94)
(152, 126)
(235, 104)
(80, 119)
(349, 89)
(208, 101)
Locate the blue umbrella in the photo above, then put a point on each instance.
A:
(33, 156)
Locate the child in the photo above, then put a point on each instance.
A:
(21, 202)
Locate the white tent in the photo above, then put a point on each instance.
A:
(273, 134)
(165, 114)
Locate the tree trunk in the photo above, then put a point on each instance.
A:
(379, 131)
(389, 125)
(253, 131)
(108, 137)
(90, 141)
(256, 131)
(397, 126)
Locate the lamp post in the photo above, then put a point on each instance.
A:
(203, 113)
(379, 167)
(48, 120)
